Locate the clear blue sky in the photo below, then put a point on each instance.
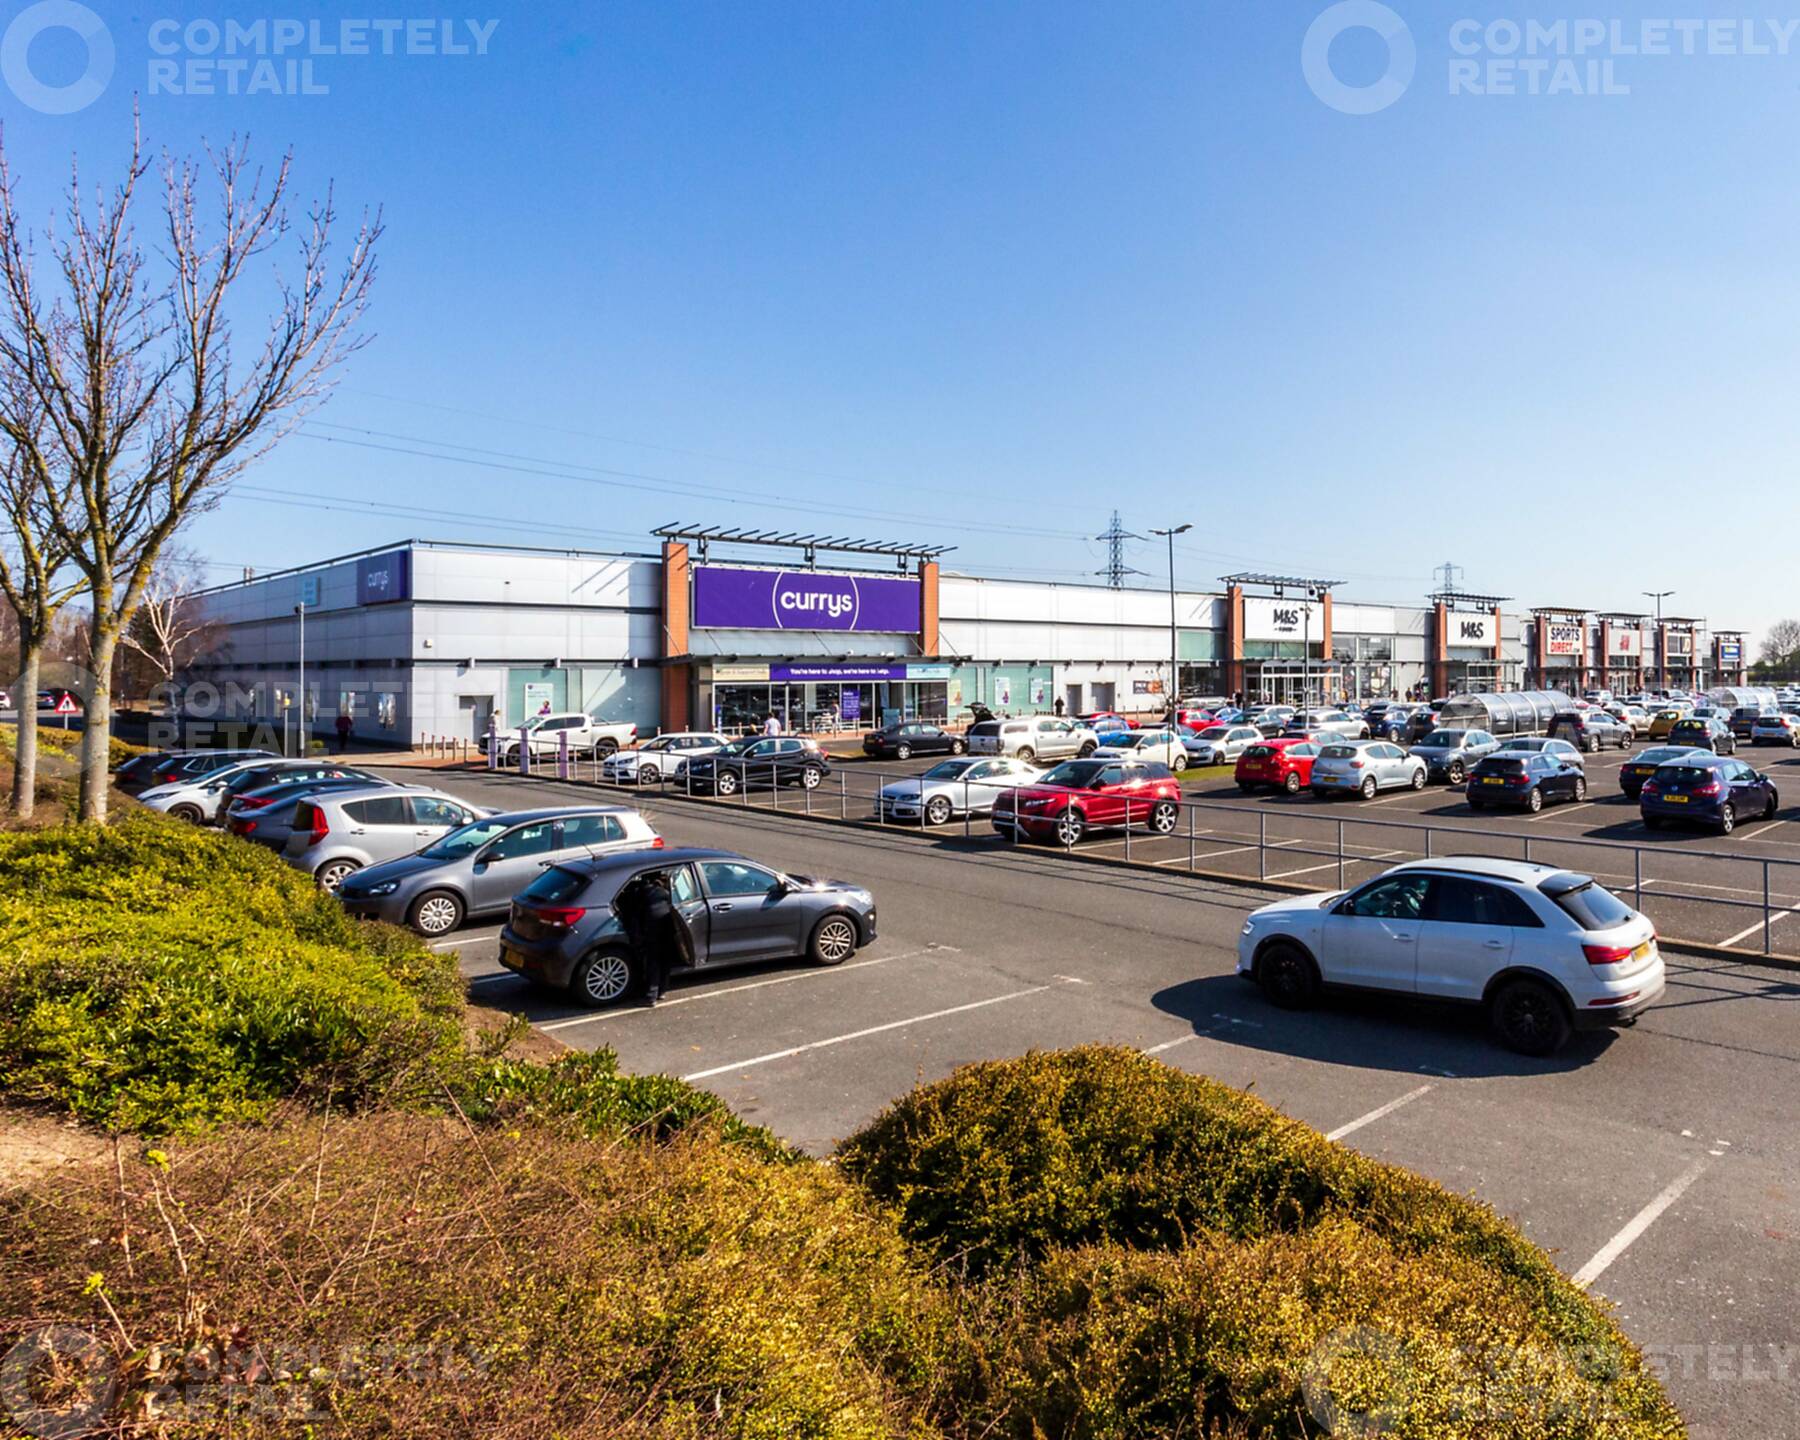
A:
(977, 273)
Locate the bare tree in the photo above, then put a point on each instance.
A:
(149, 412)
(1781, 643)
(171, 628)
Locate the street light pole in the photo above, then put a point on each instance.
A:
(1662, 659)
(300, 610)
(1174, 643)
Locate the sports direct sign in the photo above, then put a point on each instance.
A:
(731, 599)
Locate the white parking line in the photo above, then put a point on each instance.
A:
(1377, 1113)
(1200, 855)
(1561, 812)
(1333, 864)
(1637, 1225)
(1749, 930)
(463, 940)
(1171, 1044)
(674, 1000)
(793, 1050)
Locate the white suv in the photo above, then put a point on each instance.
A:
(648, 763)
(587, 736)
(1543, 951)
(1038, 737)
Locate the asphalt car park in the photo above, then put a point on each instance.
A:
(1661, 1164)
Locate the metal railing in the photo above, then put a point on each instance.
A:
(1184, 844)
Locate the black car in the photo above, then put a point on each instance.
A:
(1635, 771)
(137, 772)
(1418, 725)
(288, 772)
(1524, 780)
(902, 742)
(1704, 733)
(758, 762)
(564, 929)
(181, 767)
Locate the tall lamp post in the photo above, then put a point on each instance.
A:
(300, 610)
(1662, 659)
(1174, 643)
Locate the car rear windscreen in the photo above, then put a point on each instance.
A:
(985, 727)
(1501, 767)
(556, 886)
(1337, 752)
(1593, 908)
(1259, 752)
(1683, 774)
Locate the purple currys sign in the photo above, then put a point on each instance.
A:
(733, 599)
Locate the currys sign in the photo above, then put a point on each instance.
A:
(740, 599)
(381, 578)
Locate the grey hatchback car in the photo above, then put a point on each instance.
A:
(477, 869)
(335, 833)
(1450, 754)
(564, 929)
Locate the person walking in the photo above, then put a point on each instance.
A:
(660, 939)
(1059, 707)
(772, 726)
(344, 725)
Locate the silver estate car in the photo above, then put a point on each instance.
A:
(337, 832)
(1450, 753)
(965, 785)
(1333, 722)
(664, 757)
(1038, 737)
(478, 869)
(1361, 767)
(1222, 744)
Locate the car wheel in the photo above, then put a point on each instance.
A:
(1534, 801)
(1071, 825)
(1455, 772)
(1418, 779)
(1088, 747)
(189, 813)
(903, 752)
(1368, 787)
(937, 812)
(833, 940)
(1529, 1018)
(606, 748)
(1773, 806)
(957, 747)
(604, 978)
(1027, 754)
(1580, 791)
(1728, 819)
(1292, 783)
(331, 874)
(725, 783)
(436, 912)
(811, 776)
(1164, 816)
(1287, 977)
(649, 775)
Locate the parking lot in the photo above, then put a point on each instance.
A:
(1660, 1164)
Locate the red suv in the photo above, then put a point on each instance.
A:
(1284, 763)
(1083, 795)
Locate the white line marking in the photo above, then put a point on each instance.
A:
(1171, 1044)
(863, 1034)
(466, 940)
(1332, 864)
(1378, 1113)
(1637, 1225)
(1200, 855)
(1561, 811)
(1774, 920)
(674, 1000)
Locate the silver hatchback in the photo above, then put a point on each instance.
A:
(338, 832)
(1361, 767)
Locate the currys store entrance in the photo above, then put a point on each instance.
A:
(821, 699)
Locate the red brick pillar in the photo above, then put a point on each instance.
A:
(1325, 640)
(677, 679)
(1234, 640)
(928, 608)
(1440, 651)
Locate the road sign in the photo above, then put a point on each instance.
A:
(66, 705)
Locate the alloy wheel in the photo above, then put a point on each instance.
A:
(1070, 827)
(605, 978)
(331, 876)
(438, 914)
(834, 941)
(938, 811)
(727, 783)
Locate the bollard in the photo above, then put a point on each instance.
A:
(562, 754)
(1262, 845)
(524, 751)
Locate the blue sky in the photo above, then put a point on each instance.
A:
(978, 273)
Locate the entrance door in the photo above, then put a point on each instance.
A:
(1103, 695)
(480, 710)
(1072, 700)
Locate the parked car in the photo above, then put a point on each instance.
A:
(1589, 730)
(1542, 951)
(759, 762)
(138, 771)
(1633, 717)
(1391, 723)
(586, 735)
(1543, 745)
(1419, 724)
(1280, 764)
(1222, 744)
(1335, 721)
(1449, 752)
(1165, 746)
(477, 869)
(1776, 728)
(1040, 737)
(1524, 781)
(177, 767)
(1743, 720)
(1361, 767)
(665, 756)
(1093, 794)
(902, 742)
(338, 832)
(204, 800)
(564, 930)
(1100, 721)
(1710, 733)
(1271, 720)
(1665, 720)
(1641, 766)
(266, 816)
(968, 785)
(1704, 789)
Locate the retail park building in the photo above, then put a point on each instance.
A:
(426, 639)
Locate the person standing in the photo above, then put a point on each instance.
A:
(772, 726)
(659, 937)
(344, 726)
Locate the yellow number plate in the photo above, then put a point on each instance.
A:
(1676, 799)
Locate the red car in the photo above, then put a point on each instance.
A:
(1083, 795)
(1284, 763)
(1107, 720)
(1193, 719)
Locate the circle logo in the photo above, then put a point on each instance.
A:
(1315, 57)
(804, 600)
(72, 1353)
(15, 56)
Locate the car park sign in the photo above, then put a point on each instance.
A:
(742, 599)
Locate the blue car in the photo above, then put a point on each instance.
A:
(1703, 789)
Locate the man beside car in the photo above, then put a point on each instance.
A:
(659, 937)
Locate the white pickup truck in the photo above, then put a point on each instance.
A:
(587, 736)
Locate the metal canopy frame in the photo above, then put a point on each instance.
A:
(1279, 583)
(704, 535)
(1563, 612)
(1628, 617)
(1453, 598)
